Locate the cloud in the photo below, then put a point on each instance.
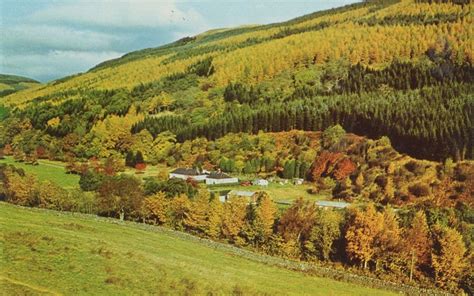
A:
(121, 14)
(63, 37)
(33, 38)
(47, 66)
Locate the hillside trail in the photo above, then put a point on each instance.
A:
(31, 287)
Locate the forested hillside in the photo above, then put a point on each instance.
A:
(400, 69)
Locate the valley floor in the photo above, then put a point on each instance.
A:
(52, 253)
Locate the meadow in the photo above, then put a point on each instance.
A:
(47, 170)
(52, 253)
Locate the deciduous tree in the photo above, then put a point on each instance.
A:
(447, 256)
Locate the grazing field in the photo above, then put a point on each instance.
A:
(47, 170)
(51, 253)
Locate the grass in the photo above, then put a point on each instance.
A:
(48, 253)
(47, 170)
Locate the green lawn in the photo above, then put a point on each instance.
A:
(47, 170)
(47, 253)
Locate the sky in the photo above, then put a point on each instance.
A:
(50, 39)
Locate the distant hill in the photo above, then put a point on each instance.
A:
(11, 83)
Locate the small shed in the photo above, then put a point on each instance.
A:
(220, 178)
(260, 182)
(185, 173)
(298, 181)
(327, 204)
(249, 195)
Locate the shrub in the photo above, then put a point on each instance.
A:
(419, 189)
(90, 181)
(415, 167)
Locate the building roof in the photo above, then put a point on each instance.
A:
(332, 204)
(186, 171)
(218, 175)
(242, 193)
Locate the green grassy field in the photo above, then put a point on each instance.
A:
(50, 253)
(47, 170)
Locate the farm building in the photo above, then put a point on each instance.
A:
(326, 204)
(249, 195)
(298, 181)
(220, 178)
(185, 173)
(260, 182)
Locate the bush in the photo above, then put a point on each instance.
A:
(415, 167)
(90, 181)
(419, 189)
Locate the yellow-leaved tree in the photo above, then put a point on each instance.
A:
(360, 235)
(156, 208)
(447, 257)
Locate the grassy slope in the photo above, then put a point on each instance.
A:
(47, 170)
(12, 83)
(46, 252)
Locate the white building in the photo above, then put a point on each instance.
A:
(298, 181)
(327, 204)
(220, 178)
(260, 182)
(249, 195)
(185, 173)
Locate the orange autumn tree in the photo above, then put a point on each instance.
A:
(296, 223)
(418, 243)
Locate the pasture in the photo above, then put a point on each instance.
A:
(53, 253)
